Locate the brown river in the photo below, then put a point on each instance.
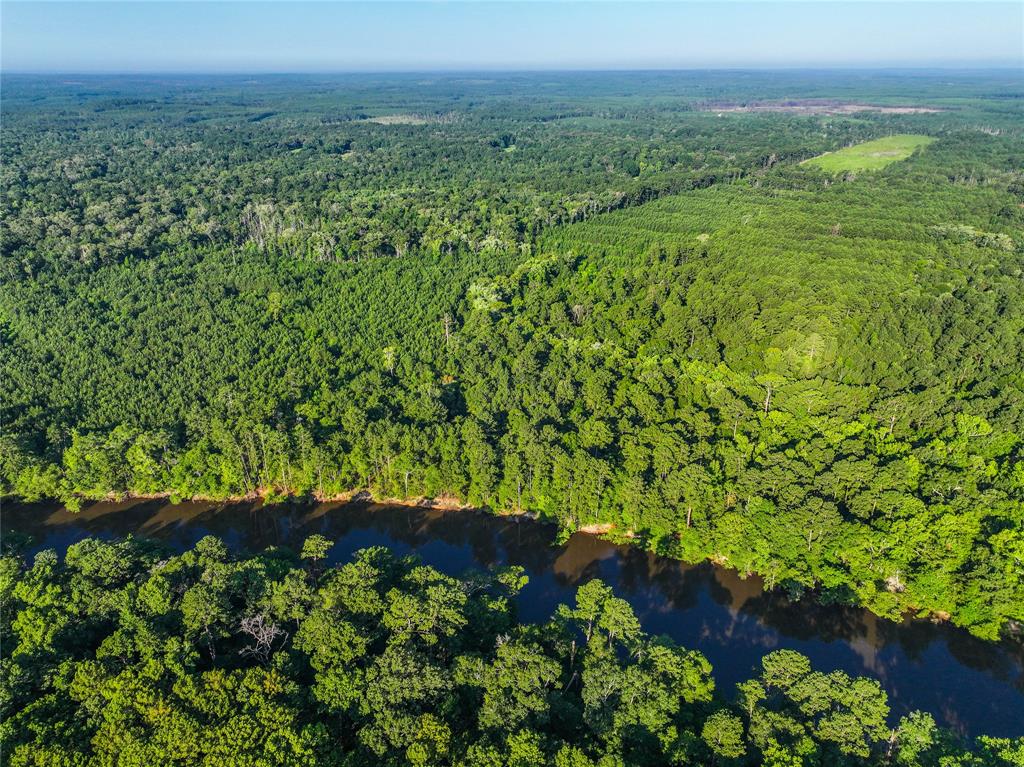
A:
(973, 686)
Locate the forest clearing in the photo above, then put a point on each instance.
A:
(870, 155)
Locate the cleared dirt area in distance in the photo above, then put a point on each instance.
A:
(410, 119)
(817, 107)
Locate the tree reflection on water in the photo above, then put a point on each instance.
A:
(968, 684)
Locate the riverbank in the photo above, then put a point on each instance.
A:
(271, 498)
(732, 619)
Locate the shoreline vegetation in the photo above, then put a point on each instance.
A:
(123, 654)
(605, 530)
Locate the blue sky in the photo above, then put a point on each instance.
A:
(244, 36)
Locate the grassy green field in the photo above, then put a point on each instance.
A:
(871, 155)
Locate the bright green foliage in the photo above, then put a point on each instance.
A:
(870, 155)
(110, 659)
(723, 734)
(516, 684)
(799, 713)
(647, 316)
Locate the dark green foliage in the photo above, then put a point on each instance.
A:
(215, 288)
(798, 381)
(122, 655)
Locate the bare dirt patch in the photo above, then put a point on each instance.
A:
(599, 529)
(398, 120)
(816, 107)
(410, 119)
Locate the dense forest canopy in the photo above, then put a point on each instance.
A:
(602, 299)
(122, 654)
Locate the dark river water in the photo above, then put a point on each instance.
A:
(972, 686)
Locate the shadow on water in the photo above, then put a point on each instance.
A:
(967, 684)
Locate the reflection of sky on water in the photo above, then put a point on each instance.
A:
(968, 684)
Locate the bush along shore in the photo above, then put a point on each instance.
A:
(119, 653)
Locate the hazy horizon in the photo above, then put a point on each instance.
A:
(245, 37)
(951, 69)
